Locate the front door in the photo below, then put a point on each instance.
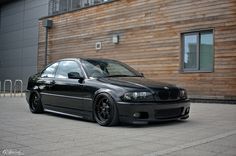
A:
(70, 93)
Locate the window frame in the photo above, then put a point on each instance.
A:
(54, 10)
(182, 52)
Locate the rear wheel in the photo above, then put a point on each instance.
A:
(105, 110)
(35, 103)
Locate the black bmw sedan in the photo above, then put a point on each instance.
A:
(106, 91)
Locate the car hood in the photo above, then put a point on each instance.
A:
(136, 82)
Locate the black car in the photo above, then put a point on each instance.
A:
(106, 91)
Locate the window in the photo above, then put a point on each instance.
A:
(61, 6)
(198, 51)
(75, 4)
(117, 69)
(107, 68)
(66, 67)
(49, 72)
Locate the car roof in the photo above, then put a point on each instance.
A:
(83, 58)
(66, 59)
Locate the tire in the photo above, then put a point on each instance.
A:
(105, 111)
(35, 103)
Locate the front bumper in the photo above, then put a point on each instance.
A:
(149, 112)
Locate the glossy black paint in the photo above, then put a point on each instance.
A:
(76, 96)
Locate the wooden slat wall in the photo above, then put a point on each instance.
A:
(150, 39)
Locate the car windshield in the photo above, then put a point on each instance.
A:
(108, 68)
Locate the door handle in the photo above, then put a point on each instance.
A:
(50, 84)
(53, 82)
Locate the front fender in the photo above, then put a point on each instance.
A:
(114, 94)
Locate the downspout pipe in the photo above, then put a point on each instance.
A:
(47, 23)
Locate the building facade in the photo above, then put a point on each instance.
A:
(188, 43)
(19, 37)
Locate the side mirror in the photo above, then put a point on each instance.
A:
(141, 74)
(75, 75)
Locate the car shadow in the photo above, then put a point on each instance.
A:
(154, 124)
(126, 125)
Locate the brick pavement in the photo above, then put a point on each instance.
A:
(210, 131)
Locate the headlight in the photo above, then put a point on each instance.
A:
(137, 96)
(183, 94)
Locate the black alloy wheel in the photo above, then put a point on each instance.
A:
(105, 111)
(35, 103)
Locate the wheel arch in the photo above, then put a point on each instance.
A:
(39, 107)
(106, 91)
(110, 93)
(33, 91)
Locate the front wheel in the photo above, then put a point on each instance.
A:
(105, 110)
(35, 104)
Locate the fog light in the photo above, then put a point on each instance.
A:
(187, 110)
(136, 115)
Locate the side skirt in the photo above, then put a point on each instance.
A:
(69, 112)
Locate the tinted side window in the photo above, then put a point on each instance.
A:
(66, 67)
(50, 71)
